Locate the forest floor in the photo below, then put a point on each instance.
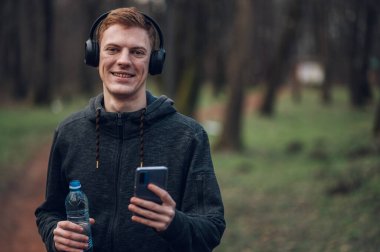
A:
(18, 230)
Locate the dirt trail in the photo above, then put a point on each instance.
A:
(18, 230)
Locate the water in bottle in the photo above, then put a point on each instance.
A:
(77, 209)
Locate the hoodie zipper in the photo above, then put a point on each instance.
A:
(117, 171)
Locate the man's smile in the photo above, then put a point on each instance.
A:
(122, 74)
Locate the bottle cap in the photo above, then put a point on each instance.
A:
(74, 184)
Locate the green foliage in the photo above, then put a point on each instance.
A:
(308, 180)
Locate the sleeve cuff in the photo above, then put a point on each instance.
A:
(177, 227)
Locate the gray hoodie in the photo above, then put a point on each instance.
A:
(161, 137)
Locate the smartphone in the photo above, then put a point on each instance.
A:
(157, 175)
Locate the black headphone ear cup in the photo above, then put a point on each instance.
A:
(91, 53)
(156, 63)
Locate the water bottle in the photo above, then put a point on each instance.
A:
(77, 209)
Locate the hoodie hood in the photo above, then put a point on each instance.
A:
(109, 122)
(126, 125)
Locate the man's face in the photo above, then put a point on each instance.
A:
(124, 62)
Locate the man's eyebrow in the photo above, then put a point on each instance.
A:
(111, 44)
(139, 48)
(133, 47)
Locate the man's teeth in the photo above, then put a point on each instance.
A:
(122, 75)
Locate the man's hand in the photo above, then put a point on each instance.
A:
(152, 214)
(69, 237)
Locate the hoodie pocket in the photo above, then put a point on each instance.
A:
(200, 188)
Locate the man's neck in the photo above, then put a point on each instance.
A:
(116, 104)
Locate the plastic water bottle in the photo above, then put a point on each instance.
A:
(77, 209)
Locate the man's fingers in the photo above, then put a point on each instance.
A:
(139, 206)
(69, 237)
(155, 213)
(158, 225)
(62, 247)
(146, 204)
(61, 241)
(158, 216)
(162, 194)
(67, 234)
(68, 225)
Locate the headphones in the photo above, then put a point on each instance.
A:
(157, 57)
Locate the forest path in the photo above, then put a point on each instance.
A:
(18, 230)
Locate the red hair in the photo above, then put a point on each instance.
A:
(128, 17)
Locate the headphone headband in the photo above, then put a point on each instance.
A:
(157, 57)
(96, 24)
(151, 20)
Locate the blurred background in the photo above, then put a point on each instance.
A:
(288, 91)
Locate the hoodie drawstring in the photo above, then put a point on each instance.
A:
(141, 135)
(97, 128)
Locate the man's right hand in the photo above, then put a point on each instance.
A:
(69, 237)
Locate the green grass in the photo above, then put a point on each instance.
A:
(322, 195)
(23, 131)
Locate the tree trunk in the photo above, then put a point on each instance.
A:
(360, 91)
(13, 70)
(189, 89)
(296, 86)
(43, 93)
(277, 66)
(323, 47)
(192, 71)
(170, 70)
(88, 79)
(376, 126)
(238, 68)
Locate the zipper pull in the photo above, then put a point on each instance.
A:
(119, 120)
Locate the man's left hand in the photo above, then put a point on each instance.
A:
(152, 214)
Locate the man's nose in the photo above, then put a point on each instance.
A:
(124, 57)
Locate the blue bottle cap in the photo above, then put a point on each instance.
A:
(74, 184)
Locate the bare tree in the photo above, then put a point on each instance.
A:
(363, 23)
(169, 74)
(43, 92)
(238, 69)
(190, 77)
(275, 73)
(219, 21)
(376, 126)
(321, 24)
(11, 50)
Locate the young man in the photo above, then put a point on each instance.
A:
(121, 129)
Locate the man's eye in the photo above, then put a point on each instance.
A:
(139, 53)
(111, 50)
